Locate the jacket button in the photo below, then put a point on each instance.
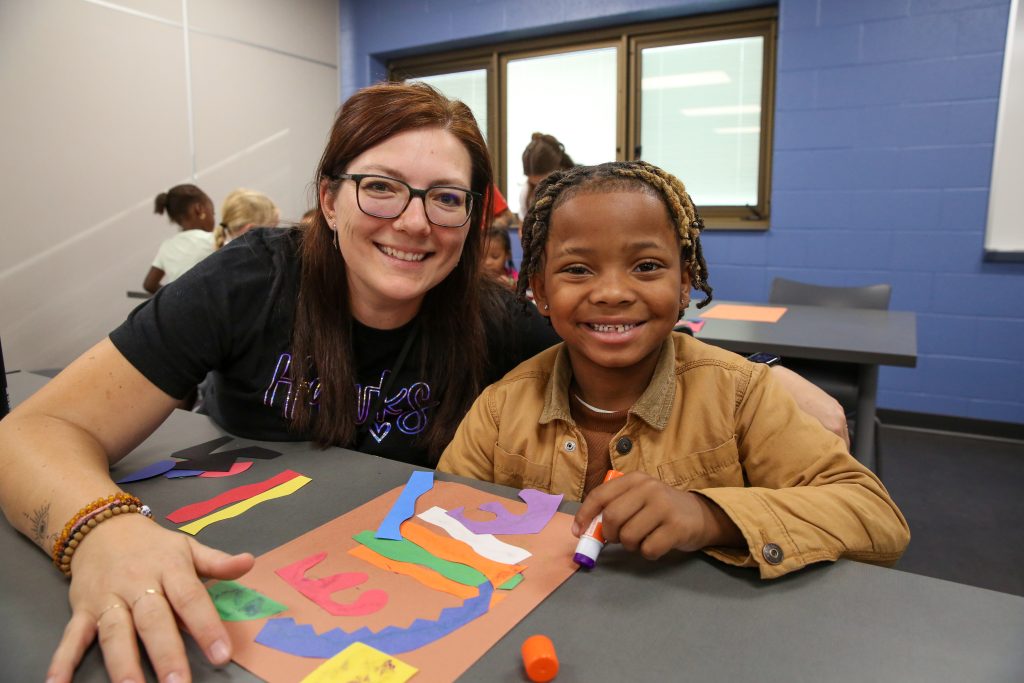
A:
(624, 445)
(772, 553)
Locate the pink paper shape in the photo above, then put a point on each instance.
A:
(541, 507)
(237, 468)
(320, 590)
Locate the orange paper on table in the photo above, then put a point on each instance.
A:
(442, 660)
(448, 548)
(754, 314)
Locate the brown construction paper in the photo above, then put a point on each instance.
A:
(441, 661)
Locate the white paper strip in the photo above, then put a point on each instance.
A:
(485, 545)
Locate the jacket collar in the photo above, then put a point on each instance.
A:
(653, 407)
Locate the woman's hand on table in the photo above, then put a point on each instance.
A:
(132, 578)
(648, 516)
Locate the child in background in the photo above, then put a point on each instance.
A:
(716, 455)
(192, 210)
(498, 257)
(243, 210)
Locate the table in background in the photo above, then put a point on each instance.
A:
(868, 338)
(684, 618)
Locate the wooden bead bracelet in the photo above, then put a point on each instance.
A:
(86, 520)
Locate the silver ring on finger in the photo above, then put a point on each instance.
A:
(106, 609)
(148, 591)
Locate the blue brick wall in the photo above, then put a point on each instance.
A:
(885, 124)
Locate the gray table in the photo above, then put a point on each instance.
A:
(866, 338)
(21, 385)
(685, 618)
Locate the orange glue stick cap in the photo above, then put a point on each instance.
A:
(539, 659)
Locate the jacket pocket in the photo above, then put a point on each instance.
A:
(511, 469)
(718, 466)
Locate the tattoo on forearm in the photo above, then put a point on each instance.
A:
(40, 520)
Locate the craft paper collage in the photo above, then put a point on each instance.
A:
(375, 599)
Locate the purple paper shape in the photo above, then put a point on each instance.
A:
(154, 470)
(540, 508)
(181, 474)
(285, 635)
(405, 507)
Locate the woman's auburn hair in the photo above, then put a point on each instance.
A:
(453, 348)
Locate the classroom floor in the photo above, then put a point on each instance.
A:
(963, 497)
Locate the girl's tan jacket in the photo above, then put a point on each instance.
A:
(709, 421)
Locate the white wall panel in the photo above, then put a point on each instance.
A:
(96, 123)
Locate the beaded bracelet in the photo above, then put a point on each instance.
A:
(86, 520)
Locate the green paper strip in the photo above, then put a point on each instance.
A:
(407, 551)
(235, 602)
(511, 583)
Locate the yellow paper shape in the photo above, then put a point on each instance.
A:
(754, 314)
(358, 663)
(279, 491)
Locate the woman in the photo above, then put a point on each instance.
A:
(192, 210)
(241, 211)
(385, 279)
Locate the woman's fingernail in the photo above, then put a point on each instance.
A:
(219, 652)
(575, 529)
(174, 677)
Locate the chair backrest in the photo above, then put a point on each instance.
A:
(803, 294)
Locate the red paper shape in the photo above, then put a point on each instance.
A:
(237, 468)
(320, 590)
(205, 507)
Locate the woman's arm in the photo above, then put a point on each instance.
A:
(813, 401)
(55, 453)
(153, 278)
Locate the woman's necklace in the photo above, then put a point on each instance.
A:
(601, 411)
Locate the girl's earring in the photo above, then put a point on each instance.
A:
(546, 307)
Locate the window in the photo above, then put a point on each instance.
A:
(570, 83)
(468, 86)
(694, 96)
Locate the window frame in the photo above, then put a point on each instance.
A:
(720, 217)
(630, 40)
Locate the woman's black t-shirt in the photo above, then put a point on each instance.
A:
(231, 316)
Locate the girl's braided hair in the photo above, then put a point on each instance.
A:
(641, 176)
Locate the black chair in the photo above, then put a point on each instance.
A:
(854, 386)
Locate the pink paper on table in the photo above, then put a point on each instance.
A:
(320, 591)
(237, 468)
(694, 325)
(442, 660)
(754, 314)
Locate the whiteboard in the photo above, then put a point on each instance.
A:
(1004, 234)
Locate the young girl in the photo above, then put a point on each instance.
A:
(192, 210)
(716, 455)
(542, 156)
(498, 257)
(241, 211)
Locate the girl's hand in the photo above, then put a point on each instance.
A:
(131, 578)
(646, 515)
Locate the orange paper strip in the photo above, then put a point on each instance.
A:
(447, 548)
(754, 314)
(428, 577)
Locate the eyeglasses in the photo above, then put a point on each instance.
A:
(383, 197)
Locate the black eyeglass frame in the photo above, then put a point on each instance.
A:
(413, 193)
